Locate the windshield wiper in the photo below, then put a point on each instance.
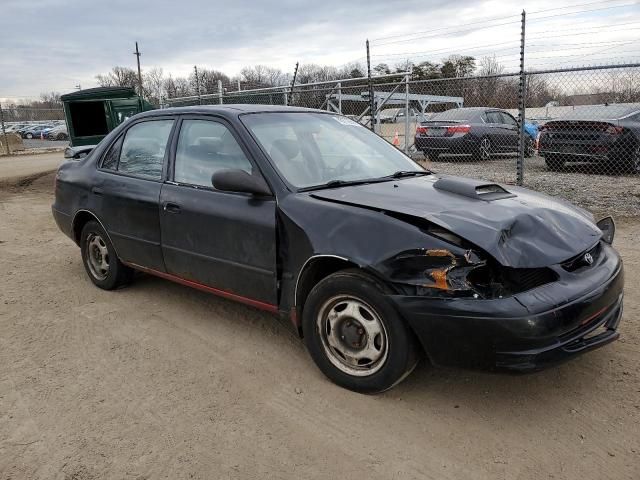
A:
(342, 183)
(408, 173)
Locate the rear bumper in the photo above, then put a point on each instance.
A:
(461, 144)
(522, 333)
(63, 221)
(602, 149)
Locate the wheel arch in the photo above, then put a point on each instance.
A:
(80, 219)
(317, 268)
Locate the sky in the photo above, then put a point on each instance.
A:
(54, 45)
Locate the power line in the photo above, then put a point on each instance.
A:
(445, 28)
(447, 33)
(580, 12)
(445, 50)
(571, 6)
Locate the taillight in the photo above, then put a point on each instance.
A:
(613, 130)
(421, 129)
(458, 129)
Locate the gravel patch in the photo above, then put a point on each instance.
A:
(617, 195)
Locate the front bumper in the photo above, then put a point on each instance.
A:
(527, 331)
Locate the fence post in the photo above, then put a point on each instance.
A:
(4, 132)
(406, 115)
(220, 91)
(372, 101)
(195, 69)
(340, 97)
(521, 107)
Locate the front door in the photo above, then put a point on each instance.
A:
(219, 239)
(127, 192)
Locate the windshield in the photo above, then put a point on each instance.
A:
(312, 149)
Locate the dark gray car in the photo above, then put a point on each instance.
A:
(476, 131)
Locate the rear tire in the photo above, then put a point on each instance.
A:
(632, 164)
(354, 334)
(483, 150)
(99, 258)
(528, 147)
(554, 163)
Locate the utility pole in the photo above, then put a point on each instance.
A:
(195, 69)
(137, 54)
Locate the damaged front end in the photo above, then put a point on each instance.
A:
(460, 270)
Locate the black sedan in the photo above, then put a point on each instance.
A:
(376, 261)
(478, 132)
(604, 134)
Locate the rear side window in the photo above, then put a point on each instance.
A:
(143, 149)
(494, 117)
(204, 147)
(110, 161)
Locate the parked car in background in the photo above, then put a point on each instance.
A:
(605, 134)
(37, 131)
(476, 131)
(58, 132)
(532, 130)
(392, 115)
(376, 261)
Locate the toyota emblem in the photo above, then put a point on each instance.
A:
(588, 258)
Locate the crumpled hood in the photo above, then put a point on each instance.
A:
(523, 230)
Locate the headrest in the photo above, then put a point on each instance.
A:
(286, 147)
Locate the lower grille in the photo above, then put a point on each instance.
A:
(523, 279)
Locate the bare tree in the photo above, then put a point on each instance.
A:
(118, 77)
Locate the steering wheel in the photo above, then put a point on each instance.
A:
(348, 165)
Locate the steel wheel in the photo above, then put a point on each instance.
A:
(97, 256)
(485, 149)
(353, 336)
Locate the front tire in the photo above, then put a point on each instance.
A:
(100, 261)
(354, 334)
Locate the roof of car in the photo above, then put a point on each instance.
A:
(228, 110)
(612, 111)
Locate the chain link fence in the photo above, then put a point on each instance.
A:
(580, 137)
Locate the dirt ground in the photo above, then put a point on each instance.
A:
(160, 381)
(18, 166)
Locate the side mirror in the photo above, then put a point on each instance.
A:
(236, 180)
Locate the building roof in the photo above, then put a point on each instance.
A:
(99, 93)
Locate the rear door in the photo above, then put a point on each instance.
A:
(223, 240)
(510, 126)
(127, 191)
(499, 131)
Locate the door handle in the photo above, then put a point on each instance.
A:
(96, 191)
(171, 207)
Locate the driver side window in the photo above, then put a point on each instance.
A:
(204, 147)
